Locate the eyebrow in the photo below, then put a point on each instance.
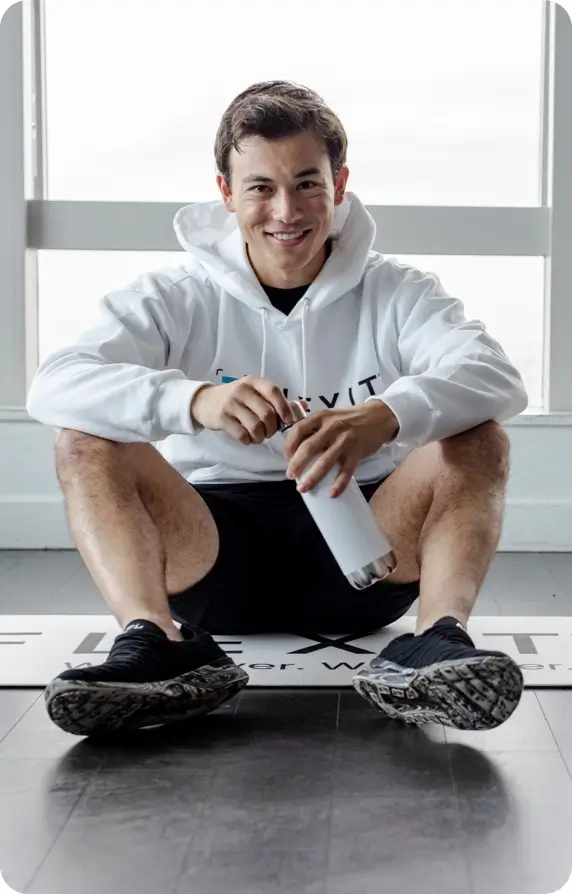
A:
(259, 178)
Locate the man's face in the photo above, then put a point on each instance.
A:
(283, 186)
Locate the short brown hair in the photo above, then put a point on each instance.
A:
(276, 109)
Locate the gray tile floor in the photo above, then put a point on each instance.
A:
(307, 791)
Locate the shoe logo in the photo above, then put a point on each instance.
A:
(458, 624)
(135, 627)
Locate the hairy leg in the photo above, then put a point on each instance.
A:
(141, 529)
(442, 511)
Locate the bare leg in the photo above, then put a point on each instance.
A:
(442, 512)
(141, 529)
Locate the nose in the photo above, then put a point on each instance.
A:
(286, 207)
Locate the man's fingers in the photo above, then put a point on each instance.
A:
(236, 430)
(275, 397)
(347, 466)
(313, 446)
(302, 431)
(319, 469)
(346, 471)
(263, 411)
(252, 423)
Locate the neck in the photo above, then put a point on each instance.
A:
(290, 279)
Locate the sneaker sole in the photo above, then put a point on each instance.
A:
(478, 693)
(85, 708)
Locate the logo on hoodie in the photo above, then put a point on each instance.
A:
(327, 400)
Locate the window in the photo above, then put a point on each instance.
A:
(70, 284)
(443, 108)
(505, 293)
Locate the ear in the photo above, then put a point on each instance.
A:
(341, 184)
(225, 193)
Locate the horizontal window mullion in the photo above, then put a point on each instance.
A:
(407, 229)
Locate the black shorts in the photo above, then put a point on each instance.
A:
(275, 573)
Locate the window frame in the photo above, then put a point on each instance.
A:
(30, 222)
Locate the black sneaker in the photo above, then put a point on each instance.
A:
(147, 680)
(441, 677)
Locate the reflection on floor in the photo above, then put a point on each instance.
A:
(307, 791)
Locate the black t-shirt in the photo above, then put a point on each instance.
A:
(287, 299)
(284, 299)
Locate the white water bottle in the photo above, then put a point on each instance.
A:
(347, 525)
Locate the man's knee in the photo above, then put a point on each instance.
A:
(484, 448)
(69, 444)
(73, 448)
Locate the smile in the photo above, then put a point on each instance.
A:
(288, 240)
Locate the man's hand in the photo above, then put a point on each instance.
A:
(341, 438)
(249, 409)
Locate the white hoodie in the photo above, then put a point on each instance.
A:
(368, 327)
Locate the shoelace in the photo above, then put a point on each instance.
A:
(134, 650)
(453, 635)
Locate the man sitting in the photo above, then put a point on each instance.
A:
(181, 506)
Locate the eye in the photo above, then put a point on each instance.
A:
(311, 183)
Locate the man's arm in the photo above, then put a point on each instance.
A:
(456, 375)
(113, 382)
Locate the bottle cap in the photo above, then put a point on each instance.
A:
(298, 413)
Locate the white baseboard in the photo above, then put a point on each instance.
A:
(538, 515)
(32, 521)
(537, 526)
(39, 522)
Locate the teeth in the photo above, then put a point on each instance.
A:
(288, 235)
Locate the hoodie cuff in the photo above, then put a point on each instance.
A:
(414, 414)
(175, 407)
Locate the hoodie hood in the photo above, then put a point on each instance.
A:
(211, 234)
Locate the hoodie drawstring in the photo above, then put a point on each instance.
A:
(305, 309)
(264, 312)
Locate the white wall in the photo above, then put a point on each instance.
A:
(538, 515)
